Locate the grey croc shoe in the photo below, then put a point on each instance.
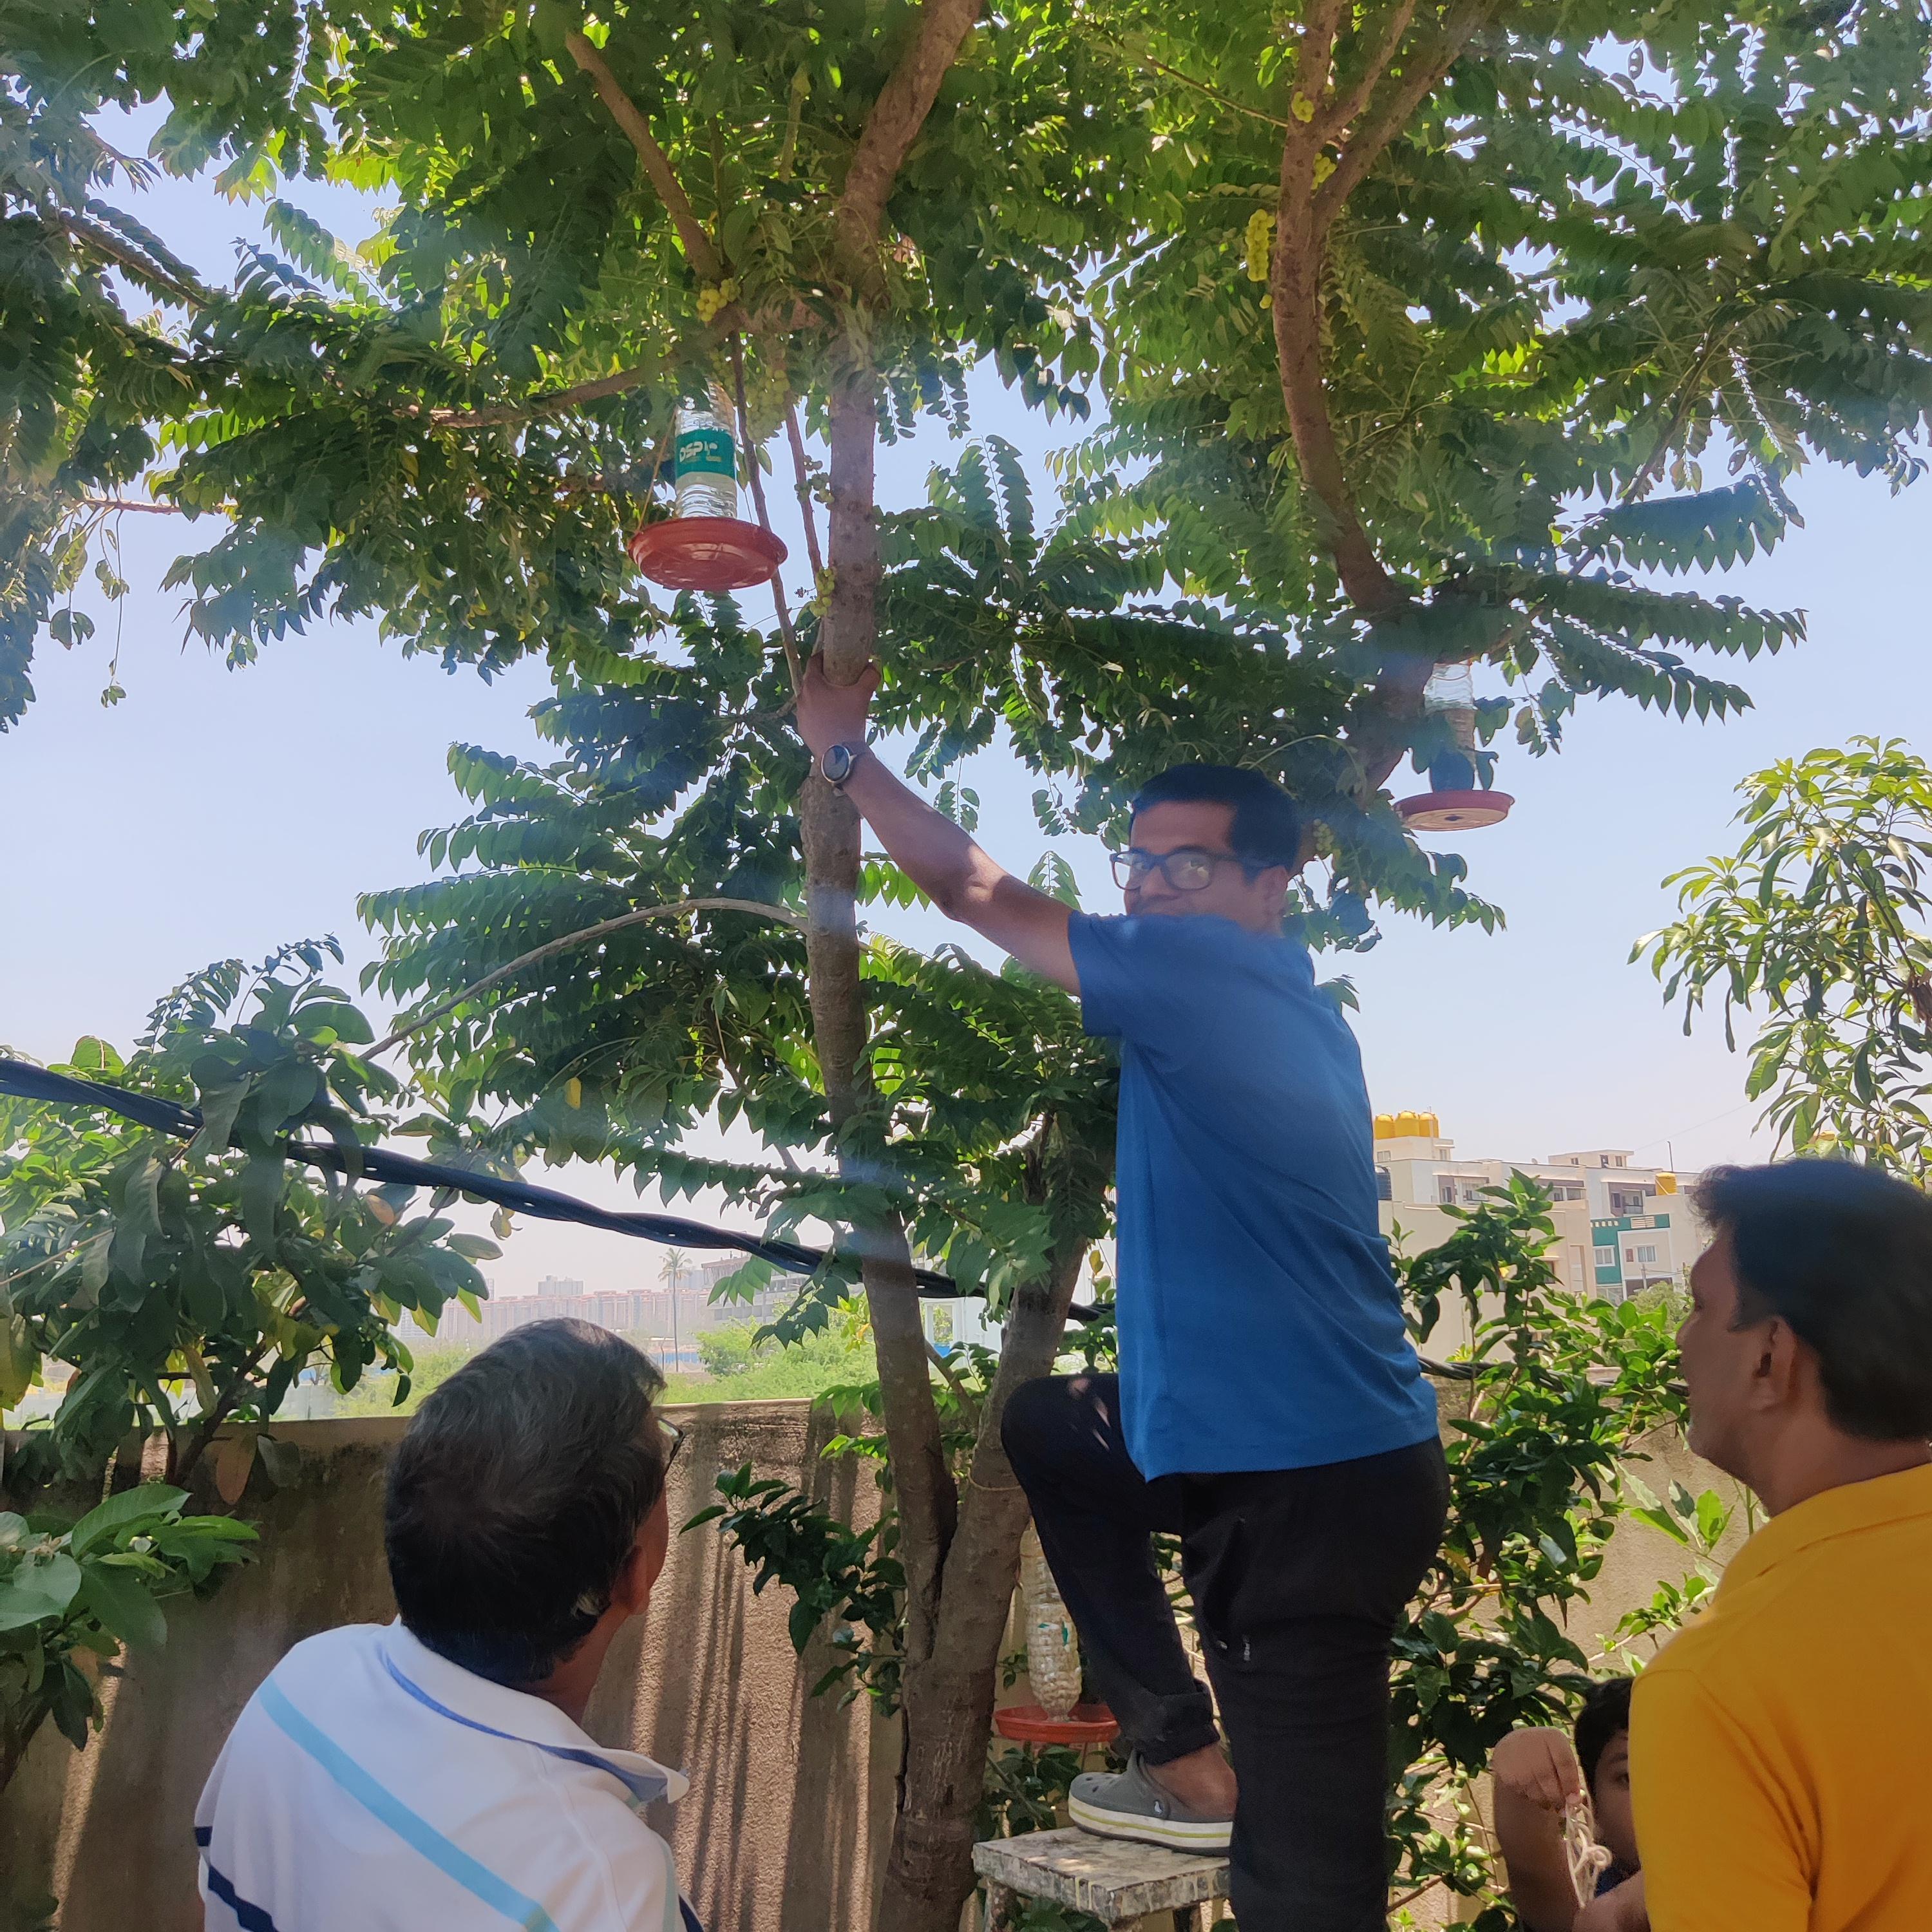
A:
(1129, 1804)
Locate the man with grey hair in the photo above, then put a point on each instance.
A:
(434, 1771)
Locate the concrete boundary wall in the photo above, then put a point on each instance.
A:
(779, 1832)
(790, 1808)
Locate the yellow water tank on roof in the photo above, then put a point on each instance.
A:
(1666, 1183)
(1407, 1125)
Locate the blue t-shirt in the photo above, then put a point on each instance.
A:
(1260, 1327)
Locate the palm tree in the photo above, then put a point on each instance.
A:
(676, 1262)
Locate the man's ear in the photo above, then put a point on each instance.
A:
(1778, 1375)
(646, 1563)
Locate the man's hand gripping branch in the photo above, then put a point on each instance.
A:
(948, 866)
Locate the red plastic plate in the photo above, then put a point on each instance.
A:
(1028, 1724)
(1454, 810)
(706, 552)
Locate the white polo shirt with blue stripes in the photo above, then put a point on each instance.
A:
(372, 1786)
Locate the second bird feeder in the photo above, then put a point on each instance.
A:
(1053, 1666)
(1457, 799)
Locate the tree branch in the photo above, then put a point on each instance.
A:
(125, 503)
(124, 256)
(1305, 213)
(1315, 60)
(1295, 277)
(1420, 77)
(949, 1691)
(1339, 119)
(851, 625)
(231, 1397)
(994, 1512)
(549, 402)
(698, 248)
(602, 930)
(1296, 273)
(1694, 383)
(802, 482)
(960, 1393)
(1147, 64)
(928, 1498)
(757, 473)
(897, 116)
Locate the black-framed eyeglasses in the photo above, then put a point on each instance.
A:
(672, 1439)
(1189, 870)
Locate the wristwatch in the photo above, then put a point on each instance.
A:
(835, 762)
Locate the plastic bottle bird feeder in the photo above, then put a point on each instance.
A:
(1456, 800)
(1053, 1667)
(704, 544)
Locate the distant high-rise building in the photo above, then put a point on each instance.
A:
(650, 1317)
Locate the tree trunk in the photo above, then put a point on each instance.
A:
(949, 1697)
(960, 1559)
(923, 1488)
(1313, 190)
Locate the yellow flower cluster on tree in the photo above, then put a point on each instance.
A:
(715, 296)
(1259, 242)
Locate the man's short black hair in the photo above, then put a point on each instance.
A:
(1266, 828)
(1843, 1253)
(515, 1498)
(1604, 1717)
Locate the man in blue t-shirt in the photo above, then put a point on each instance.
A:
(1269, 1410)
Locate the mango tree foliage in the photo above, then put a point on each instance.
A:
(1817, 926)
(1563, 1392)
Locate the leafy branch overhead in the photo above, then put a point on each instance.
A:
(1498, 283)
(612, 1046)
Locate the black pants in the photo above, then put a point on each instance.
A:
(1299, 1577)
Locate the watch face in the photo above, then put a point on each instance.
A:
(836, 764)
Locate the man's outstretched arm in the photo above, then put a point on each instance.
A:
(947, 865)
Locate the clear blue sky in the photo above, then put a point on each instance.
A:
(215, 812)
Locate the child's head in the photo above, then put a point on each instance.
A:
(1602, 1751)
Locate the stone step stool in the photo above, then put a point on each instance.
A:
(1119, 1882)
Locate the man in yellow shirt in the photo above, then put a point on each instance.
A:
(1779, 1759)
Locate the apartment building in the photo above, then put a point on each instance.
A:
(663, 1321)
(1621, 1226)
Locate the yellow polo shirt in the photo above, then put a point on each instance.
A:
(1781, 1746)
